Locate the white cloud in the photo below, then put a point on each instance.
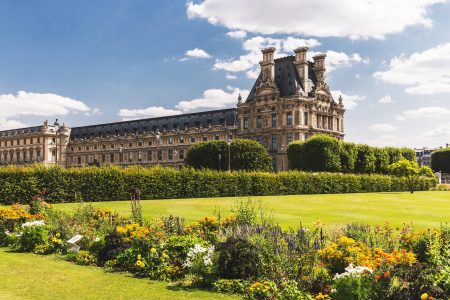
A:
(231, 77)
(195, 53)
(36, 104)
(249, 61)
(211, 99)
(434, 112)
(424, 73)
(385, 99)
(238, 34)
(384, 127)
(149, 112)
(442, 130)
(350, 101)
(347, 18)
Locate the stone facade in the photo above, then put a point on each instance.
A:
(289, 101)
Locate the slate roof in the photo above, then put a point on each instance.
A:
(33, 129)
(225, 117)
(286, 78)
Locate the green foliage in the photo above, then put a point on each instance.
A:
(440, 160)
(32, 236)
(320, 153)
(113, 183)
(245, 155)
(409, 171)
(365, 159)
(325, 153)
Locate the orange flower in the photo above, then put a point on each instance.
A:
(377, 277)
(386, 274)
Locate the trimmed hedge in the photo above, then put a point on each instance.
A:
(21, 184)
(323, 153)
(440, 160)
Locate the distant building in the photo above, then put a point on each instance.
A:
(289, 101)
(423, 157)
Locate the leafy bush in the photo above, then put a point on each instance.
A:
(440, 160)
(33, 234)
(365, 159)
(245, 155)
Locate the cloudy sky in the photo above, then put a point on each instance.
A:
(86, 61)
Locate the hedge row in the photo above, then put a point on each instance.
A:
(21, 184)
(323, 153)
(440, 160)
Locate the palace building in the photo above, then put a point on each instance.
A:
(290, 100)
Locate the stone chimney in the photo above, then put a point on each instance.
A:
(319, 66)
(301, 64)
(267, 64)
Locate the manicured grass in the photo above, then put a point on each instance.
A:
(424, 209)
(29, 276)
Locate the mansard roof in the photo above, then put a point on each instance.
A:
(286, 78)
(25, 130)
(224, 117)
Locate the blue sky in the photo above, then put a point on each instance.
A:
(86, 62)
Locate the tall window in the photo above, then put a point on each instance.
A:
(181, 153)
(305, 118)
(103, 158)
(149, 155)
(289, 118)
(130, 156)
(139, 155)
(337, 124)
(111, 157)
(290, 137)
(160, 156)
(258, 122)
(181, 139)
(170, 154)
(245, 122)
(274, 120)
(274, 142)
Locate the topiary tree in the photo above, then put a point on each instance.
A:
(382, 160)
(394, 154)
(245, 155)
(440, 160)
(410, 172)
(348, 157)
(365, 159)
(408, 153)
(318, 153)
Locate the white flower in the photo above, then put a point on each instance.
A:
(201, 252)
(353, 271)
(33, 223)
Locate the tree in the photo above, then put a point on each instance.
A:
(440, 160)
(348, 157)
(320, 153)
(394, 154)
(245, 155)
(408, 153)
(381, 160)
(410, 172)
(365, 159)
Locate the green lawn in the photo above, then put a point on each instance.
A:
(30, 276)
(424, 209)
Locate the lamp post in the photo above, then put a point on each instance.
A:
(229, 154)
(158, 140)
(56, 124)
(220, 158)
(282, 147)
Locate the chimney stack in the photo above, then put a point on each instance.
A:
(301, 65)
(319, 66)
(267, 64)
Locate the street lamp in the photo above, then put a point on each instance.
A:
(158, 141)
(56, 124)
(282, 147)
(229, 154)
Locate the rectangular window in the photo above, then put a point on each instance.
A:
(181, 153)
(103, 158)
(112, 146)
(274, 142)
(103, 147)
(31, 141)
(140, 144)
(217, 137)
(79, 160)
(274, 120)
(181, 139)
(171, 140)
(149, 155)
(160, 156)
(246, 123)
(24, 141)
(130, 145)
(289, 118)
(205, 138)
(170, 154)
(130, 156)
(305, 118)
(39, 140)
(139, 155)
(337, 125)
(111, 158)
(193, 139)
(290, 137)
(258, 122)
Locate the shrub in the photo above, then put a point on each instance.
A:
(348, 157)
(33, 234)
(365, 159)
(408, 153)
(440, 160)
(395, 154)
(318, 153)
(245, 155)
(381, 161)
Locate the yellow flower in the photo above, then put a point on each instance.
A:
(153, 250)
(424, 296)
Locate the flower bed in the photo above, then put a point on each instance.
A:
(240, 254)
